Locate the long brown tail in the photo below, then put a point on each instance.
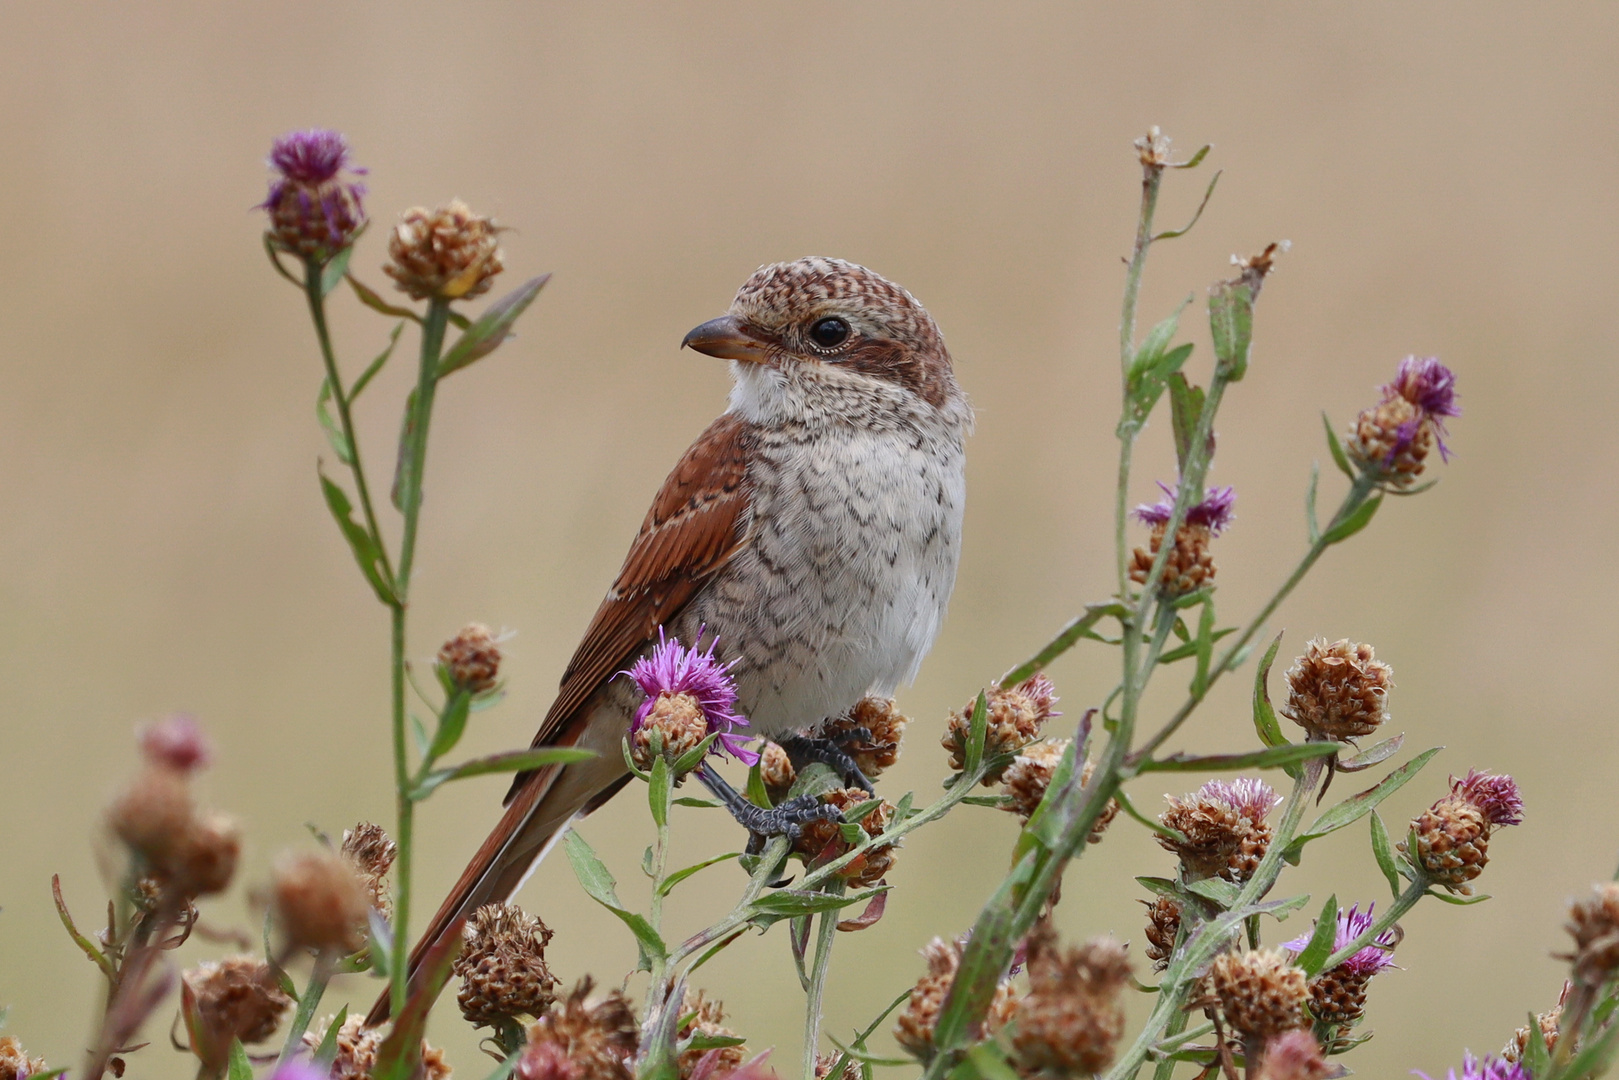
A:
(535, 817)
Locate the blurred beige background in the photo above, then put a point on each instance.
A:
(1444, 171)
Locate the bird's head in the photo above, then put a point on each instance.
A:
(820, 328)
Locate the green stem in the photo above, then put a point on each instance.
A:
(340, 397)
(308, 1002)
(825, 936)
(414, 452)
(1176, 1036)
(1406, 901)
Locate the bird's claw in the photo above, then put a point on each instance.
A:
(801, 750)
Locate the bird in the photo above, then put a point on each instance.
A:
(811, 535)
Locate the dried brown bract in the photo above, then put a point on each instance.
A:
(916, 1024)
(471, 659)
(369, 850)
(599, 1038)
(502, 966)
(776, 770)
(1224, 828)
(1029, 777)
(1453, 835)
(885, 725)
(1594, 924)
(1014, 718)
(15, 1064)
(450, 253)
(826, 837)
(1163, 926)
(1072, 1018)
(357, 1047)
(235, 998)
(678, 720)
(1293, 1055)
(319, 902)
(1338, 690)
(1260, 992)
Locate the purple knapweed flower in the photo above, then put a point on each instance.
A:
(1431, 387)
(1351, 924)
(1249, 796)
(1214, 512)
(673, 670)
(298, 1069)
(1496, 796)
(1491, 1068)
(314, 201)
(176, 743)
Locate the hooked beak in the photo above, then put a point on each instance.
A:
(725, 338)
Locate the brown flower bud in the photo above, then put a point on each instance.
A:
(14, 1063)
(234, 998)
(1294, 1055)
(1549, 1022)
(1163, 926)
(1453, 835)
(1338, 690)
(1224, 828)
(776, 770)
(449, 253)
(319, 902)
(471, 659)
(372, 854)
(1014, 718)
(1594, 925)
(598, 1038)
(205, 860)
(679, 721)
(1029, 776)
(502, 966)
(707, 1017)
(357, 1047)
(884, 723)
(153, 816)
(1072, 1018)
(1260, 992)
(1190, 565)
(916, 1024)
(825, 838)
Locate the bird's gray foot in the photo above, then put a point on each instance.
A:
(785, 819)
(802, 749)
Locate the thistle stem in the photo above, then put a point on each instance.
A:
(1406, 901)
(825, 936)
(308, 1002)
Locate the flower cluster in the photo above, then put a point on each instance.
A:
(502, 966)
(1071, 1020)
(314, 201)
(1338, 690)
(1453, 835)
(689, 696)
(1028, 778)
(1338, 996)
(1190, 564)
(1222, 827)
(1014, 717)
(1392, 439)
(920, 1017)
(446, 254)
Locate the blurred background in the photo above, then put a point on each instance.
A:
(1443, 171)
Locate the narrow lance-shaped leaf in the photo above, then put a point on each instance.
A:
(239, 1067)
(1312, 530)
(492, 327)
(366, 551)
(452, 723)
(1272, 757)
(338, 441)
(1231, 325)
(1070, 635)
(1383, 852)
(1321, 941)
(333, 271)
(1270, 732)
(599, 885)
(376, 365)
(512, 761)
(1358, 806)
(1339, 458)
(1185, 410)
(1355, 522)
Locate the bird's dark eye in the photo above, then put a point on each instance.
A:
(829, 333)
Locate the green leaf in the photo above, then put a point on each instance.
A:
(599, 885)
(401, 1052)
(373, 300)
(511, 761)
(492, 328)
(1537, 1057)
(1208, 193)
(1181, 652)
(1044, 824)
(1270, 732)
(274, 252)
(1383, 852)
(376, 365)
(1069, 636)
(1459, 901)
(688, 761)
(682, 874)
(1156, 343)
(1219, 890)
(977, 731)
(381, 943)
(1272, 757)
(1194, 160)
(1205, 649)
(702, 1040)
(989, 1060)
(1376, 754)
(983, 961)
(240, 1068)
(1358, 806)
(786, 903)
(1231, 325)
(326, 1052)
(506, 1067)
(1153, 363)
(996, 801)
(85, 945)
(1161, 886)
(1339, 458)
(1185, 410)
(366, 551)
(1321, 941)
(658, 792)
(1355, 522)
(451, 724)
(1311, 528)
(756, 792)
(338, 441)
(701, 804)
(330, 275)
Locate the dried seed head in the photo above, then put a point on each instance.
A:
(372, 854)
(1294, 1055)
(776, 770)
(1190, 565)
(1072, 1017)
(599, 1038)
(1153, 147)
(1163, 925)
(235, 998)
(677, 720)
(1391, 440)
(1224, 828)
(314, 201)
(153, 815)
(914, 1029)
(883, 722)
(357, 1047)
(707, 1017)
(1029, 776)
(205, 860)
(1338, 690)
(1453, 835)
(176, 742)
(470, 660)
(1549, 1023)
(1594, 924)
(502, 966)
(1014, 718)
(825, 838)
(319, 902)
(1260, 992)
(449, 253)
(824, 1063)
(14, 1063)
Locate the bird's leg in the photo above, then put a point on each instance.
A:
(802, 749)
(785, 819)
